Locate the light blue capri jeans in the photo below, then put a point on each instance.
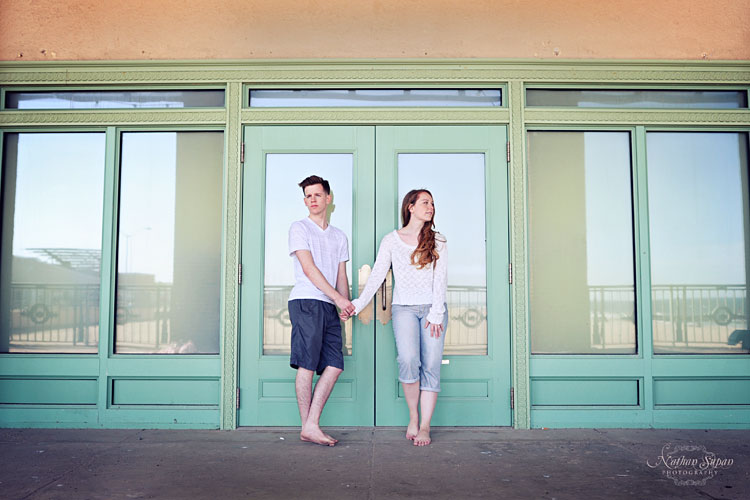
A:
(420, 356)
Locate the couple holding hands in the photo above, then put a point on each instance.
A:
(418, 256)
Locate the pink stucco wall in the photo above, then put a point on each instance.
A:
(247, 29)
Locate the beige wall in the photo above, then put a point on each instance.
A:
(246, 29)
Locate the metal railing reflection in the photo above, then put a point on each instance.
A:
(686, 318)
(143, 318)
(466, 333)
(612, 317)
(65, 318)
(53, 318)
(700, 318)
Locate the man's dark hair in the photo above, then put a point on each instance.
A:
(314, 179)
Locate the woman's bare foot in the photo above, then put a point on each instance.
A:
(411, 431)
(423, 437)
(313, 434)
(331, 438)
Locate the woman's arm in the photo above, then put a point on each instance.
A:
(439, 285)
(379, 271)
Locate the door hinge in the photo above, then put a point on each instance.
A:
(512, 399)
(238, 398)
(242, 153)
(239, 274)
(507, 150)
(510, 273)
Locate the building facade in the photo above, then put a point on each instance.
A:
(596, 208)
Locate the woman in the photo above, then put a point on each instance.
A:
(419, 256)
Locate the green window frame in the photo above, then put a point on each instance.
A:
(514, 77)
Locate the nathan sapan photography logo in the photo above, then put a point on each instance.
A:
(689, 465)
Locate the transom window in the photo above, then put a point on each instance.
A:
(636, 98)
(375, 97)
(115, 99)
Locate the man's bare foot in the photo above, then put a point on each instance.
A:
(411, 431)
(423, 437)
(313, 434)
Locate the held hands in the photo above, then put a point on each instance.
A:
(435, 329)
(346, 307)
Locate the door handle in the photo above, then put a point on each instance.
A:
(386, 289)
(365, 315)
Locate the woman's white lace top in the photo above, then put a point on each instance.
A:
(412, 286)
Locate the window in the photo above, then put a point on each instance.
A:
(375, 97)
(616, 98)
(115, 99)
(698, 207)
(581, 243)
(169, 243)
(53, 186)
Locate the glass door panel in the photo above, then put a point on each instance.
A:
(284, 206)
(460, 213)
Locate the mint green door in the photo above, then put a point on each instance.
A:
(465, 168)
(276, 160)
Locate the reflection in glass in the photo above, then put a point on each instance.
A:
(612, 98)
(51, 242)
(115, 99)
(698, 206)
(581, 243)
(374, 97)
(460, 216)
(284, 205)
(169, 243)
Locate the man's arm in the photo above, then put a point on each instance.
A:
(342, 286)
(342, 283)
(316, 277)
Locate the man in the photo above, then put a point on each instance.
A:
(320, 252)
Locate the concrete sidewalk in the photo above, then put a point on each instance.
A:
(371, 463)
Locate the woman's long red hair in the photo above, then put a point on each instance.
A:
(426, 251)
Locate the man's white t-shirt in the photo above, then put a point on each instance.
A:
(328, 247)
